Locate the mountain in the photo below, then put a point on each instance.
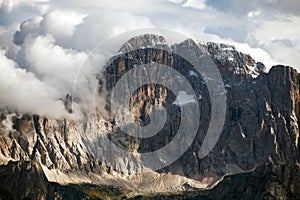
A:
(256, 155)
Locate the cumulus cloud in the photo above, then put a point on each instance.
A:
(52, 50)
(61, 24)
(51, 62)
(280, 38)
(30, 26)
(6, 38)
(22, 91)
(9, 5)
(44, 69)
(44, 43)
(12, 11)
(103, 25)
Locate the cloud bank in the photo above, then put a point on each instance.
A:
(44, 43)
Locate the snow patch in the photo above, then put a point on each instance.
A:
(184, 98)
(243, 135)
(193, 73)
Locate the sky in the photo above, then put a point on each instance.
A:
(43, 43)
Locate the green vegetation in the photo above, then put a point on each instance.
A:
(101, 192)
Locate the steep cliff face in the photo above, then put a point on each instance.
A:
(261, 125)
(53, 142)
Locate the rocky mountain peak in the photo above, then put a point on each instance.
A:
(261, 127)
(227, 55)
(235, 61)
(144, 41)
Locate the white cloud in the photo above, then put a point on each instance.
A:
(282, 27)
(61, 23)
(30, 26)
(177, 1)
(6, 38)
(55, 37)
(274, 35)
(22, 91)
(51, 62)
(197, 4)
(260, 55)
(98, 27)
(10, 5)
(253, 13)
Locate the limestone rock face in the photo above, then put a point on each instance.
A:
(261, 125)
(55, 143)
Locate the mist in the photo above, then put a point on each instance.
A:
(45, 44)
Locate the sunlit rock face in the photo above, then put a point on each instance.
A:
(261, 125)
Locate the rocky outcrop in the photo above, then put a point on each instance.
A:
(54, 143)
(261, 125)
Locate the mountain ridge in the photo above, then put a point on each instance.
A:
(269, 100)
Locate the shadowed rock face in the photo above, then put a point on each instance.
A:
(26, 180)
(261, 125)
(16, 177)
